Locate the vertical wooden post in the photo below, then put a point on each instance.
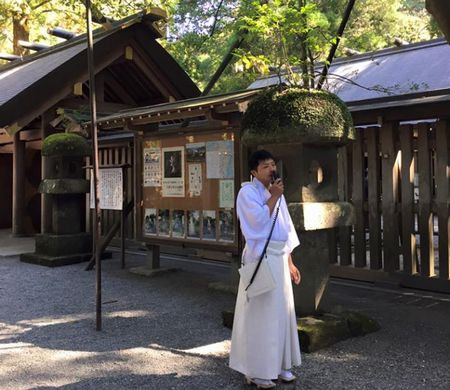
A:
(443, 195)
(373, 197)
(344, 194)
(18, 214)
(137, 173)
(389, 169)
(425, 196)
(409, 248)
(97, 227)
(122, 218)
(153, 258)
(358, 199)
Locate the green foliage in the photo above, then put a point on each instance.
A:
(374, 24)
(280, 34)
(37, 16)
(283, 34)
(290, 114)
(65, 144)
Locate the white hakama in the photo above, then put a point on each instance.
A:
(264, 338)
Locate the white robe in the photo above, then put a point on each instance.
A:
(264, 340)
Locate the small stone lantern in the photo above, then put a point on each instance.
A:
(67, 243)
(303, 129)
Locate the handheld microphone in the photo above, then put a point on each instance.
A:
(275, 177)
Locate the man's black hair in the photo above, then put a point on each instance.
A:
(257, 157)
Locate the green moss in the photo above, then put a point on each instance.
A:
(360, 324)
(293, 114)
(65, 144)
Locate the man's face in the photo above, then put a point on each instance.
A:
(264, 171)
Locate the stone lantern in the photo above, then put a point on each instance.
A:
(304, 129)
(66, 243)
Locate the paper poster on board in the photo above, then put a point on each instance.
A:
(196, 152)
(226, 193)
(152, 167)
(220, 160)
(209, 225)
(177, 224)
(164, 222)
(173, 172)
(110, 182)
(150, 221)
(195, 179)
(193, 224)
(226, 225)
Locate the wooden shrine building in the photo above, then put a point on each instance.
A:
(48, 92)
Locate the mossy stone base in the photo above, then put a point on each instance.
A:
(54, 261)
(321, 331)
(54, 250)
(54, 245)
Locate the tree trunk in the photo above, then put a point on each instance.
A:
(21, 31)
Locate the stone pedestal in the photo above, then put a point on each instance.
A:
(152, 266)
(65, 243)
(304, 130)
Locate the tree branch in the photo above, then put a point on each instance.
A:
(39, 5)
(216, 16)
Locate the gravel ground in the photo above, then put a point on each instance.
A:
(166, 333)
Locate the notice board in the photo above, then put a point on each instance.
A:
(110, 189)
(188, 189)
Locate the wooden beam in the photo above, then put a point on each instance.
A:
(78, 104)
(150, 72)
(5, 139)
(129, 53)
(100, 86)
(78, 89)
(30, 134)
(7, 148)
(119, 89)
(18, 217)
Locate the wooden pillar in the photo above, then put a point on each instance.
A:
(18, 223)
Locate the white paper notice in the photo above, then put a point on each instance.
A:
(195, 179)
(110, 189)
(152, 167)
(173, 172)
(226, 194)
(220, 160)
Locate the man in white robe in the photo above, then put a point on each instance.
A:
(264, 342)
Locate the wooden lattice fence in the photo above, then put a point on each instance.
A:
(398, 181)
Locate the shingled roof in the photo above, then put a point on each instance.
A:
(386, 75)
(32, 85)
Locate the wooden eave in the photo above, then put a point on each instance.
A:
(410, 107)
(208, 106)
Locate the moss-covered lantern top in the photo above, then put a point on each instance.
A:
(296, 115)
(66, 144)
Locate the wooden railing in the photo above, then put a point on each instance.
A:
(398, 181)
